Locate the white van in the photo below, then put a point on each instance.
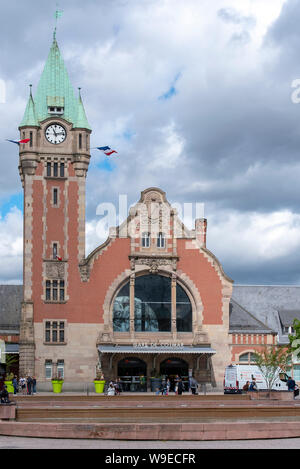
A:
(236, 377)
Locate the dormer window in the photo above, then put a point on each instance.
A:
(55, 110)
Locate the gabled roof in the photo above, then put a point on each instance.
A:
(287, 316)
(241, 320)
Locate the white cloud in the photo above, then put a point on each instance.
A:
(11, 247)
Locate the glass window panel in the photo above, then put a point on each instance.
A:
(62, 170)
(297, 372)
(152, 303)
(121, 310)
(54, 196)
(48, 169)
(55, 169)
(244, 357)
(184, 314)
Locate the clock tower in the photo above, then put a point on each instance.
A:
(53, 167)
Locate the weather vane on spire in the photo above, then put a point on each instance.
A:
(58, 14)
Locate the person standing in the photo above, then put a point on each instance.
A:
(193, 385)
(180, 386)
(33, 385)
(29, 385)
(15, 384)
(23, 385)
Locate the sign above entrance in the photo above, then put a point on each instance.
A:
(158, 344)
(155, 349)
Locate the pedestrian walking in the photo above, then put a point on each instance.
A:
(246, 386)
(168, 386)
(253, 385)
(111, 390)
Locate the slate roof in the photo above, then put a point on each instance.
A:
(11, 297)
(241, 320)
(287, 317)
(265, 302)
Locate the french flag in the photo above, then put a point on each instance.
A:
(17, 142)
(106, 150)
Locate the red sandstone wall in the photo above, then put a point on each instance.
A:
(202, 273)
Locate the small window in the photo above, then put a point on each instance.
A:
(48, 369)
(146, 240)
(31, 136)
(62, 170)
(55, 196)
(80, 141)
(161, 240)
(54, 250)
(55, 170)
(49, 169)
(60, 368)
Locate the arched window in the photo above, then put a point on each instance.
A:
(248, 357)
(146, 240)
(183, 311)
(161, 240)
(152, 306)
(121, 311)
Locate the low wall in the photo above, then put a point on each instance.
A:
(272, 395)
(7, 411)
(154, 431)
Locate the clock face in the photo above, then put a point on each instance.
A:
(55, 133)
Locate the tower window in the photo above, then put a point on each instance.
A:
(80, 141)
(55, 332)
(55, 291)
(62, 170)
(55, 110)
(54, 250)
(30, 135)
(56, 169)
(55, 196)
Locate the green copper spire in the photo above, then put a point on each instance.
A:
(29, 117)
(55, 89)
(81, 120)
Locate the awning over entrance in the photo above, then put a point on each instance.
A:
(185, 349)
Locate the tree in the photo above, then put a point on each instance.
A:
(10, 360)
(270, 361)
(294, 339)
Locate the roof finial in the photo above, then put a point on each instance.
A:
(58, 14)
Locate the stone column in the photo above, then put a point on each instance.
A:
(173, 306)
(131, 297)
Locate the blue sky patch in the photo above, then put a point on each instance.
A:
(172, 90)
(16, 200)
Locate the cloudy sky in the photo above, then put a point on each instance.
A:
(199, 97)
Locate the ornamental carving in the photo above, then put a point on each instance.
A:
(84, 270)
(55, 270)
(154, 264)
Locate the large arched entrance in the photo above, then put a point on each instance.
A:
(132, 372)
(173, 366)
